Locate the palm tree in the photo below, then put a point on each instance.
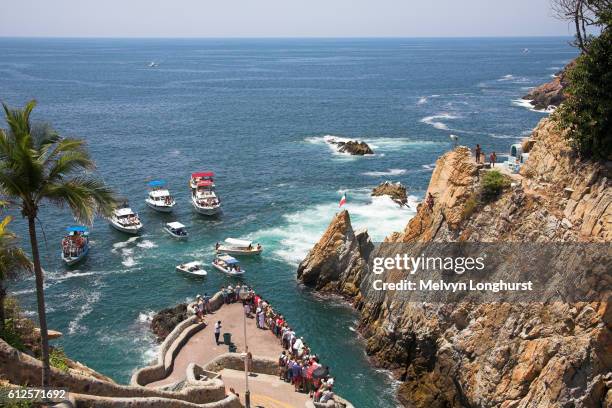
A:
(39, 166)
(12, 260)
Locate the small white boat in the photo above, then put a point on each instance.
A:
(160, 198)
(228, 264)
(192, 268)
(75, 245)
(177, 230)
(234, 246)
(204, 199)
(153, 64)
(125, 220)
(201, 176)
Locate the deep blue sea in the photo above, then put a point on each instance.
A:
(257, 112)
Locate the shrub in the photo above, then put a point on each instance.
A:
(493, 183)
(586, 114)
(58, 359)
(469, 207)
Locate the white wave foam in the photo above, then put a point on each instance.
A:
(68, 275)
(128, 262)
(90, 300)
(146, 317)
(123, 244)
(508, 77)
(429, 166)
(526, 103)
(434, 120)
(302, 229)
(390, 172)
(422, 100)
(146, 244)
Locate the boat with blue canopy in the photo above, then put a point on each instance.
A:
(75, 244)
(228, 265)
(159, 198)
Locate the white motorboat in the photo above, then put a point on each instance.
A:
(192, 268)
(232, 246)
(177, 230)
(201, 176)
(160, 198)
(228, 264)
(75, 245)
(204, 199)
(125, 220)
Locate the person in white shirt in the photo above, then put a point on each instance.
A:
(217, 331)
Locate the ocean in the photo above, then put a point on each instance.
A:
(259, 113)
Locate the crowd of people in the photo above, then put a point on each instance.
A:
(297, 364)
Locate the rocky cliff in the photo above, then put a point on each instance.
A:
(469, 354)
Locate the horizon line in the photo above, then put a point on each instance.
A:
(273, 37)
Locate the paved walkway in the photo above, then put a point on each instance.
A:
(201, 348)
(266, 390)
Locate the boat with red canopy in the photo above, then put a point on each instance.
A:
(201, 176)
(204, 199)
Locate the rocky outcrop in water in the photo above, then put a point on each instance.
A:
(166, 320)
(337, 261)
(550, 93)
(468, 354)
(397, 191)
(353, 147)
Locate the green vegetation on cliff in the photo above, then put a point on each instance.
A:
(586, 113)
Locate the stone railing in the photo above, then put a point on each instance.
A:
(235, 361)
(171, 346)
(22, 369)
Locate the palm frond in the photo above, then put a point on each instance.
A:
(12, 258)
(86, 196)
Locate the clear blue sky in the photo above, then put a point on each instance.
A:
(278, 18)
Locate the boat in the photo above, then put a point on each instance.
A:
(125, 220)
(204, 199)
(159, 198)
(192, 268)
(234, 246)
(201, 176)
(75, 245)
(228, 264)
(176, 229)
(153, 64)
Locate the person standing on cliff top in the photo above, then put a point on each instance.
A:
(478, 153)
(493, 159)
(217, 331)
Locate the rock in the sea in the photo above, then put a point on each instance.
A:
(353, 147)
(550, 93)
(338, 260)
(397, 191)
(166, 320)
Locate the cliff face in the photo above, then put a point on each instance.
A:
(485, 355)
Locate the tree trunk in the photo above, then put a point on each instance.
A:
(2, 298)
(40, 297)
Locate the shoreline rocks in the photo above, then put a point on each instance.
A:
(166, 320)
(550, 93)
(397, 191)
(352, 147)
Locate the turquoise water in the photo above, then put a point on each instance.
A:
(257, 113)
